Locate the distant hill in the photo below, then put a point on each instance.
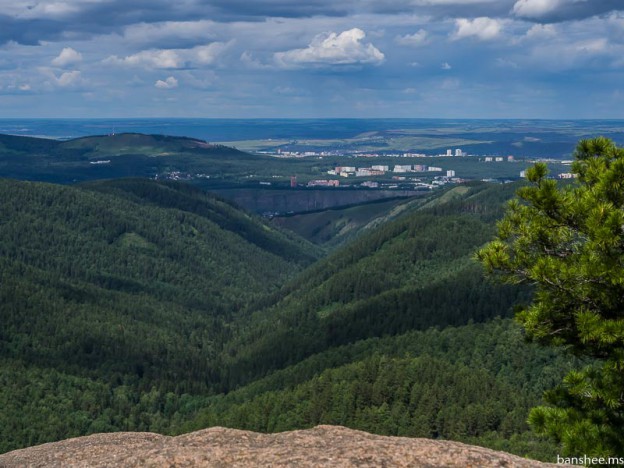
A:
(112, 156)
(121, 142)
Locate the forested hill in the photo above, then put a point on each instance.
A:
(111, 156)
(395, 333)
(190, 199)
(410, 274)
(110, 286)
(129, 305)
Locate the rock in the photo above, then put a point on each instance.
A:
(322, 446)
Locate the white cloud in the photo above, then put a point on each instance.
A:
(483, 28)
(345, 48)
(414, 40)
(24, 87)
(616, 19)
(535, 8)
(208, 54)
(168, 83)
(173, 58)
(68, 79)
(541, 31)
(198, 79)
(592, 46)
(165, 58)
(446, 66)
(565, 53)
(250, 61)
(68, 56)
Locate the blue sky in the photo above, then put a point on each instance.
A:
(319, 58)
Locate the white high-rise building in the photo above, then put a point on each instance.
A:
(449, 152)
(459, 152)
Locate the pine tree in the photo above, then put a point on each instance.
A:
(568, 241)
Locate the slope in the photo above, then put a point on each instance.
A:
(392, 333)
(362, 339)
(474, 383)
(118, 155)
(336, 226)
(190, 199)
(412, 273)
(104, 291)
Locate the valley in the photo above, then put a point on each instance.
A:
(281, 233)
(145, 304)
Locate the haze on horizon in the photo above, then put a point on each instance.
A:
(278, 58)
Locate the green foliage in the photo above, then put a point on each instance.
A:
(413, 273)
(131, 304)
(567, 240)
(115, 289)
(473, 383)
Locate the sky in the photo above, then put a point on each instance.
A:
(552, 59)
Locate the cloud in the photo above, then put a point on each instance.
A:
(541, 31)
(345, 48)
(506, 63)
(440, 9)
(446, 66)
(592, 46)
(417, 39)
(173, 58)
(278, 8)
(563, 10)
(482, 28)
(208, 54)
(167, 58)
(68, 56)
(168, 83)
(250, 61)
(580, 53)
(535, 8)
(70, 78)
(42, 9)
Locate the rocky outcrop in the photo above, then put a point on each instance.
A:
(323, 446)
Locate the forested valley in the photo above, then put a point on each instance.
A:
(135, 305)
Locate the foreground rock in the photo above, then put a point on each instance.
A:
(219, 447)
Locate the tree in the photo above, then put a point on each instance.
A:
(568, 241)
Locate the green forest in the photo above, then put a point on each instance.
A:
(136, 305)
